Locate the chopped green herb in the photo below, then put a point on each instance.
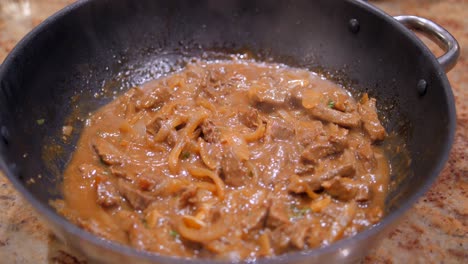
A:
(174, 233)
(185, 155)
(299, 212)
(331, 104)
(40, 121)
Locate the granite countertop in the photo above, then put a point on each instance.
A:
(435, 230)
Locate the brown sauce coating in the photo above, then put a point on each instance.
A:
(229, 160)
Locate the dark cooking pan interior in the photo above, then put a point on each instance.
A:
(61, 68)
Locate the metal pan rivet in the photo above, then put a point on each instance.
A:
(4, 134)
(354, 25)
(422, 87)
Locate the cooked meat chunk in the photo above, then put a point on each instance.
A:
(370, 119)
(327, 114)
(317, 150)
(307, 184)
(294, 234)
(210, 132)
(137, 198)
(250, 117)
(277, 213)
(279, 129)
(256, 218)
(263, 94)
(307, 132)
(233, 170)
(107, 152)
(298, 233)
(155, 98)
(346, 189)
(344, 170)
(107, 194)
(337, 135)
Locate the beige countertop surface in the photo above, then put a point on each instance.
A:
(435, 230)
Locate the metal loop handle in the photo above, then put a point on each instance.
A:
(439, 35)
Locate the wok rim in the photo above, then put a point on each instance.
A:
(58, 220)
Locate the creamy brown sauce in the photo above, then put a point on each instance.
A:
(229, 159)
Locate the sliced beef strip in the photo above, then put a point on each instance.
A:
(264, 95)
(300, 185)
(279, 129)
(337, 135)
(314, 182)
(107, 194)
(320, 149)
(210, 132)
(298, 232)
(154, 98)
(233, 170)
(250, 117)
(137, 198)
(107, 152)
(307, 132)
(290, 235)
(256, 218)
(370, 120)
(277, 213)
(346, 189)
(327, 114)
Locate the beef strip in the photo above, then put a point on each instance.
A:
(290, 235)
(263, 95)
(107, 152)
(279, 129)
(233, 170)
(250, 117)
(337, 135)
(307, 132)
(320, 149)
(255, 218)
(210, 132)
(314, 182)
(137, 198)
(155, 98)
(370, 120)
(327, 114)
(277, 213)
(346, 189)
(298, 185)
(107, 194)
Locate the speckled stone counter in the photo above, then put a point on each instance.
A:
(435, 230)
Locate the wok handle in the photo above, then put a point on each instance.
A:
(439, 35)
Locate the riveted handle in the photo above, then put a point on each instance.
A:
(439, 35)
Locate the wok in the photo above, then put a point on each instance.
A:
(79, 58)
